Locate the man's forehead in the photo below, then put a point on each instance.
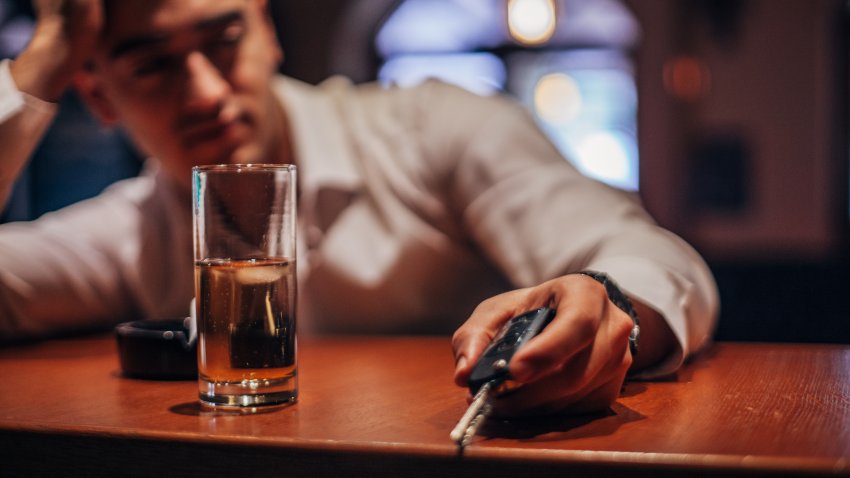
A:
(131, 18)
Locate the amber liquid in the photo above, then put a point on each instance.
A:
(246, 331)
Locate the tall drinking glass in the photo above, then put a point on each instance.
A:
(245, 284)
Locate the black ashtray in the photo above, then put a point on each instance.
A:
(157, 349)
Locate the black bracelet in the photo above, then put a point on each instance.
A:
(622, 302)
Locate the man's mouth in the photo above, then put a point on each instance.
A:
(222, 128)
(213, 131)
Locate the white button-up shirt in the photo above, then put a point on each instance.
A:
(415, 205)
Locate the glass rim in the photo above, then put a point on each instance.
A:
(247, 167)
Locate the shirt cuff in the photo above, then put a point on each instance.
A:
(13, 100)
(688, 310)
(23, 120)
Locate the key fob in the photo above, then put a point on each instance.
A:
(492, 366)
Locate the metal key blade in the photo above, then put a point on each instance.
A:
(472, 418)
(475, 424)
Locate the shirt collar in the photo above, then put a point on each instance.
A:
(320, 143)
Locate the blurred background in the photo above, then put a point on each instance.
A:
(728, 117)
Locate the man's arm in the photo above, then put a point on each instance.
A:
(29, 87)
(72, 269)
(540, 221)
(65, 33)
(23, 121)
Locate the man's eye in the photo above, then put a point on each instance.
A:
(222, 48)
(152, 66)
(231, 36)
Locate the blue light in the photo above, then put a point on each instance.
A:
(589, 111)
(481, 73)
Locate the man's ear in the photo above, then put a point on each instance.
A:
(90, 87)
(266, 12)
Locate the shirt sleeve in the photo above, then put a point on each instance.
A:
(536, 217)
(122, 255)
(23, 121)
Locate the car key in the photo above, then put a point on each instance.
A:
(491, 376)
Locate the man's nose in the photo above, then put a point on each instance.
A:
(206, 86)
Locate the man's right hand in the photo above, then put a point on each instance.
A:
(65, 33)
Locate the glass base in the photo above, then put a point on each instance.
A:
(248, 393)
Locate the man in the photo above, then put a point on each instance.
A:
(415, 205)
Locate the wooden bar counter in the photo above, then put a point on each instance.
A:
(384, 406)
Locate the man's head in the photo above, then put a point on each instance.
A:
(189, 79)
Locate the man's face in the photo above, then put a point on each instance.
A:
(190, 80)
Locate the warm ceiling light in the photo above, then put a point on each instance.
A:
(531, 22)
(687, 78)
(557, 98)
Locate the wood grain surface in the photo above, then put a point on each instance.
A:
(384, 406)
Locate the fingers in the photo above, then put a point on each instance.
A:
(468, 343)
(578, 362)
(66, 32)
(579, 309)
(585, 317)
(558, 392)
(478, 331)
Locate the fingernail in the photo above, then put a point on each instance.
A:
(461, 364)
(522, 371)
